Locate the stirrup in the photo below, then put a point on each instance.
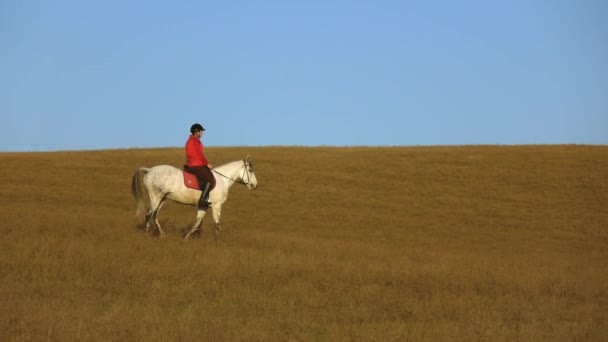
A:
(204, 204)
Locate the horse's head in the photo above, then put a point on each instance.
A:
(249, 174)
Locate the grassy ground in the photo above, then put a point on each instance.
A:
(422, 243)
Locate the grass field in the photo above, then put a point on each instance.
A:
(495, 243)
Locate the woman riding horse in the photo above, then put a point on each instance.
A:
(197, 163)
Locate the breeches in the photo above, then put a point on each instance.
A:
(204, 173)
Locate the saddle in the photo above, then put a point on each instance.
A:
(193, 181)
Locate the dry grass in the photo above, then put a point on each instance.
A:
(442, 243)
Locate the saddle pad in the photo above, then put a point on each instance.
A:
(191, 181)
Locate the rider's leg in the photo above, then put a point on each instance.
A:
(203, 202)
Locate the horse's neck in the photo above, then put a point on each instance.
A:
(231, 170)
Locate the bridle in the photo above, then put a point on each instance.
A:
(240, 181)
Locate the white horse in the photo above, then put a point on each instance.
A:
(167, 182)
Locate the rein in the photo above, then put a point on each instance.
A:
(235, 180)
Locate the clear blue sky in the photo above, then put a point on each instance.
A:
(78, 75)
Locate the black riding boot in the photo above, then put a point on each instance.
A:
(203, 202)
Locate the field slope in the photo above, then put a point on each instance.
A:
(401, 243)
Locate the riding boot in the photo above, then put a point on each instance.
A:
(203, 202)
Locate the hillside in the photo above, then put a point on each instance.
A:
(361, 243)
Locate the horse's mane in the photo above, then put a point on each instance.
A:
(228, 165)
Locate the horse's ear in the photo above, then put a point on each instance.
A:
(247, 159)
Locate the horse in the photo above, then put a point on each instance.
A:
(167, 182)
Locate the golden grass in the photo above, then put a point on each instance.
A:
(405, 243)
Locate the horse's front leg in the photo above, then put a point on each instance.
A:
(217, 212)
(197, 224)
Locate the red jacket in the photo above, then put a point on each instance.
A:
(194, 152)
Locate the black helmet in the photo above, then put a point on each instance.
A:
(196, 127)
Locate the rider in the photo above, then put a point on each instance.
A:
(197, 163)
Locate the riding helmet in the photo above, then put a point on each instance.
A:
(196, 127)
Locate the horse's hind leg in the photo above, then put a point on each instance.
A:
(156, 201)
(160, 229)
(148, 219)
(199, 220)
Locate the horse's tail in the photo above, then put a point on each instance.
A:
(136, 188)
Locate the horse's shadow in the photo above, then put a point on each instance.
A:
(195, 235)
(153, 231)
